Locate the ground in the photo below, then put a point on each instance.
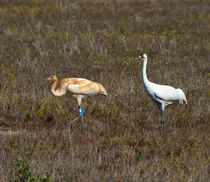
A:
(98, 40)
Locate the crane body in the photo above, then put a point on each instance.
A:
(79, 88)
(162, 95)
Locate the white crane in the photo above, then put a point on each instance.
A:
(162, 95)
(80, 88)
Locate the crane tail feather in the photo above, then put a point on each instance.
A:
(182, 96)
(102, 90)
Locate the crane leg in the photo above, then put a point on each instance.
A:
(162, 124)
(162, 121)
(80, 112)
(162, 117)
(83, 124)
(68, 124)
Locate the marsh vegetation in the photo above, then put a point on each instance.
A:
(98, 40)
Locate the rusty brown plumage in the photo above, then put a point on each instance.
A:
(77, 86)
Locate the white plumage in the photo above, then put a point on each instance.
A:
(162, 95)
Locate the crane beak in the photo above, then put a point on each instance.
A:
(49, 78)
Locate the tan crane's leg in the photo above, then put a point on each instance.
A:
(80, 112)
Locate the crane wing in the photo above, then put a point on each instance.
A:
(81, 86)
(164, 92)
(159, 97)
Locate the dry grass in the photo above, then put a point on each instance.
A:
(98, 40)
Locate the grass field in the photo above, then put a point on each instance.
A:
(98, 40)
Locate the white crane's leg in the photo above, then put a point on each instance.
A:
(161, 107)
(162, 120)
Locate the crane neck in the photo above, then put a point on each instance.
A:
(144, 73)
(60, 91)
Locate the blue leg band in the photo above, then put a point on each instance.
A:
(80, 111)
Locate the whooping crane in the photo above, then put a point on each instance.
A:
(162, 95)
(80, 88)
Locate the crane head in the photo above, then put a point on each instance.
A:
(52, 78)
(142, 57)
